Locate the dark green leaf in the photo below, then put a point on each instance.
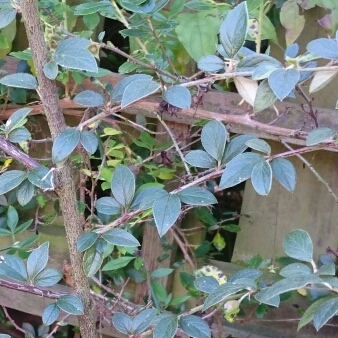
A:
(22, 227)
(195, 326)
(143, 320)
(37, 260)
(89, 98)
(178, 96)
(206, 284)
(283, 81)
(284, 172)
(145, 199)
(200, 159)
(42, 178)
(265, 96)
(236, 146)
(64, 144)
(123, 185)
(161, 272)
(214, 137)
(319, 135)
(166, 327)
(166, 211)
(25, 192)
(12, 218)
(19, 135)
(298, 244)
(86, 241)
(47, 277)
(17, 119)
(19, 80)
(89, 141)
(239, 169)
(123, 323)
(108, 206)
(117, 263)
(261, 178)
(50, 314)
(196, 196)
(51, 69)
(92, 261)
(10, 180)
(70, 304)
(234, 29)
(120, 237)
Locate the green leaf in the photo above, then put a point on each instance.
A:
(42, 178)
(118, 91)
(195, 327)
(89, 141)
(259, 145)
(117, 263)
(89, 98)
(197, 196)
(239, 169)
(51, 70)
(137, 90)
(234, 29)
(327, 270)
(37, 260)
(145, 199)
(191, 32)
(178, 96)
(214, 137)
(12, 218)
(50, 314)
(298, 244)
(285, 173)
(120, 237)
(200, 159)
(143, 320)
(166, 211)
(325, 312)
(123, 185)
(325, 48)
(206, 284)
(210, 63)
(92, 261)
(319, 135)
(236, 146)
(10, 180)
(246, 273)
(261, 178)
(47, 277)
(262, 72)
(161, 272)
(91, 20)
(17, 119)
(86, 241)
(283, 81)
(265, 97)
(73, 53)
(123, 323)
(7, 15)
(93, 7)
(251, 61)
(22, 227)
(108, 206)
(310, 311)
(19, 135)
(20, 80)
(295, 269)
(70, 304)
(166, 327)
(25, 192)
(14, 268)
(228, 289)
(64, 144)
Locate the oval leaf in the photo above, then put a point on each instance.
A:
(210, 63)
(259, 145)
(89, 141)
(143, 320)
(20, 80)
(206, 284)
(123, 185)
(64, 144)
(19, 135)
(86, 241)
(195, 327)
(298, 244)
(7, 15)
(89, 98)
(166, 212)
(50, 314)
(37, 260)
(213, 138)
(120, 237)
(166, 327)
(16, 119)
(261, 178)
(234, 29)
(196, 196)
(47, 277)
(51, 70)
(319, 135)
(325, 48)
(123, 323)
(108, 206)
(178, 96)
(92, 261)
(200, 159)
(283, 81)
(70, 304)
(265, 96)
(285, 173)
(25, 192)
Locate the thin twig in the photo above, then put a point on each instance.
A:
(315, 172)
(56, 327)
(309, 101)
(175, 144)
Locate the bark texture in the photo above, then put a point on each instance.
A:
(64, 178)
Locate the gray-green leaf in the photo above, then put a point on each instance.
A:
(120, 237)
(261, 178)
(64, 144)
(319, 135)
(123, 185)
(89, 98)
(20, 80)
(298, 244)
(178, 96)
(285, 173)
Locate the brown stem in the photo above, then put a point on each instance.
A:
(65, 187)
